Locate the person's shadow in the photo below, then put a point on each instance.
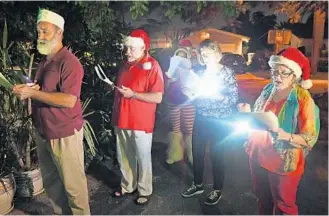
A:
(107, 172)
(209, 210)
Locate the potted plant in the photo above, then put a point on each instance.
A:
(27, 173)
(7, 180)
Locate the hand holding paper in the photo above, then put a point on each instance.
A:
(267, 119)
(24, 91)
(178, 64)
(280, 134)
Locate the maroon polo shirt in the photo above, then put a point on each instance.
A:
(63, 73)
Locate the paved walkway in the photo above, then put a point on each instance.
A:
(169, 181)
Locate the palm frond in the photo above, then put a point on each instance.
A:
(85, 104)
(90, 137)
(4, 82)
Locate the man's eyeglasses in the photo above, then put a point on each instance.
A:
(282, 74)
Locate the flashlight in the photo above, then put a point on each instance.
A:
(28, 80)
(242, 127)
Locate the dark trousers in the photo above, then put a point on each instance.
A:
(215, 131)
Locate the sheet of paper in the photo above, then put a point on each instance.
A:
(177, 62)
(268, 119)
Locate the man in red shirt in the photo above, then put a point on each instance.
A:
(141, 87)
(57, 116)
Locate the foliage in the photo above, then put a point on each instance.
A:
(6, 154)
(295, 10)
(323, 66)
(206, 10)
(260, 61)
(234, 61)
(88, 132)
(17, 112)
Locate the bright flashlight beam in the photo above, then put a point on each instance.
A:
(242, 127)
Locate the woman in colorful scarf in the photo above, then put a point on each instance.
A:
(277, 157)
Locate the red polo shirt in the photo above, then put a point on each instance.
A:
(134, 114)
(63, 73)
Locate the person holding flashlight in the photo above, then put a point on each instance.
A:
(277, 157)
(214, 92)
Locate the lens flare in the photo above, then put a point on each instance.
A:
(242, 127)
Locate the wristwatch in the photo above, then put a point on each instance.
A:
(134, 95)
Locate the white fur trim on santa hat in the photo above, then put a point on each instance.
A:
(134, 41)
(275, 59)
(306, 84)
(51, 17)
(147, 66)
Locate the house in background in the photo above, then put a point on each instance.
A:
(297, 42)
(227, 41)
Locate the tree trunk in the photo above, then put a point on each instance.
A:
(318, 33)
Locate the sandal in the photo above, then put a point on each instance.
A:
(145, 200)
(118, 193)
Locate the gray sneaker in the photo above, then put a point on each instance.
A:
(213, 198)
(193, 190)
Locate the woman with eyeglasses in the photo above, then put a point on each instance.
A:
(214, 92)
(277, 157)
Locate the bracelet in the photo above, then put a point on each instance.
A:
(134, 95)
(291, 138)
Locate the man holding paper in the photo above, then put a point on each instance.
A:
(277, 155)
(57, 116)
(139, 89)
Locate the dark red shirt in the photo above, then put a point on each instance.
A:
(134, 114)
(63, 73)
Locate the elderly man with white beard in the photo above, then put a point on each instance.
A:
(140, 89)
(57, 117)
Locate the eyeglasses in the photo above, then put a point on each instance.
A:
(281, 73)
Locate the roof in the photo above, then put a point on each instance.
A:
(244, 38)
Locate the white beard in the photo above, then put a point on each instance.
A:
(47, 47)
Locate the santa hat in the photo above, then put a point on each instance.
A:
(51, 17)
(138, 38)
(295, 61)
(185, 43)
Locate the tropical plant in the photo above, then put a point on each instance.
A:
(6, 155)
(18, 112)
(88, 132)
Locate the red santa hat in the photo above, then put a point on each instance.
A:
(296, 61)
(137, 38)
(185, 43)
